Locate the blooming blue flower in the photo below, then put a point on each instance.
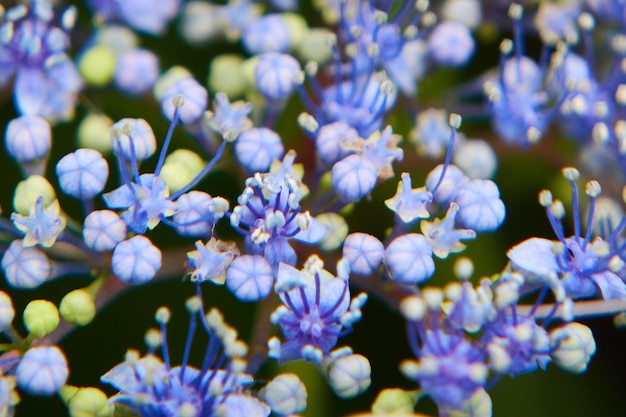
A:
(146, 202)
(46, 80)
(442, 235)
(315, 310)
(229, 119)
(409, 204)
(152, 387)
(583, 264)
(209, 261)
(449, 369)
(269, 214)
(384, 40)
(43, 226)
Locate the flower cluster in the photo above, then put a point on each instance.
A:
(282, 160)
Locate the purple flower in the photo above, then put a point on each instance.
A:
(316, 308)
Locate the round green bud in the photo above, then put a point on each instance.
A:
(315, 46)
(180, 167)
(479, 405)
(394, 401)
(225, 75)
(29, 190)
(89, 402)
(247, 70)
(77, 307)
(94, 132)
(41, 317)
(297, 28)
(97, 65)
(337, 230)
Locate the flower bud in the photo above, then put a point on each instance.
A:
(394, 401)
(97, 65)
(225, 75)
(87, 402)
(574, 345)
(27, 192)
(94, 132)
(77, 307)
(285, 394)
(41, 317)
(350, 375)
(42, 371)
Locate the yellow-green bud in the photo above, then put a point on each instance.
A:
(225, 75)
(247, 69)
(297, 28)
(97, 65)
(94, 132)
(41, 317)
(88, 402)
(77, 307)
(337, 230)
(315, 46)
(29, 190)
(180, 167)
(394, 401)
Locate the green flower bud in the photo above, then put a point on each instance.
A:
(225, 75)
(77, 307)
(88, 402)
(180, 167)
(394, 401)
(27, 192)
(94, 132)
(337, 230)
(97, 65)
(41, 317)
(315, 46)
(297, 28)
